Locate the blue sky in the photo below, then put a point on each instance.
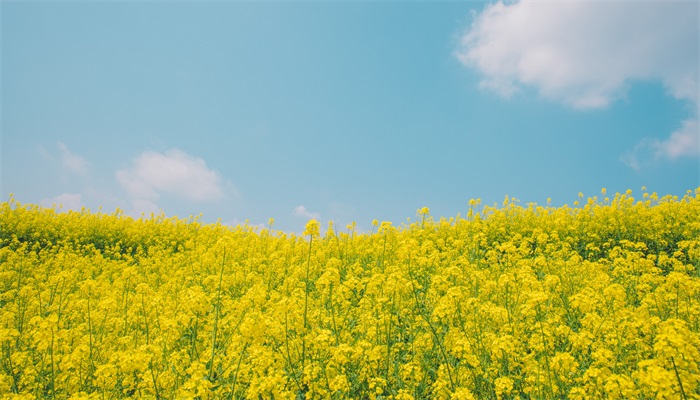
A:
(344, 111)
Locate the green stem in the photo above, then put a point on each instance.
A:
(679, 378)
(217, 308)
(289, 354)
(53, 370)
(426, 318)
(306, 305)
(92, 361)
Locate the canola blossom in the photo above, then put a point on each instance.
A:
(596, 300)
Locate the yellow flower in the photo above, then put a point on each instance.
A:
(596, 301)
(462, 394)
(312, 228)
(384, 226)
(504, 385)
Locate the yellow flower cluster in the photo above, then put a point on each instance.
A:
(598, 300)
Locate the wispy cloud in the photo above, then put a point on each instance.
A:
(587, 53)
(173, 172)
(73, 162)
(66, 201)
(301, 211)
(682, 143)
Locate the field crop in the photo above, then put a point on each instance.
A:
(596, 300)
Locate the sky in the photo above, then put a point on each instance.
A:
(344, 111)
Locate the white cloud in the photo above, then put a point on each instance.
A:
(301, 211)
(72, 162)
(631, 158)
(587, 53)
(682, 143)
(175, 172)
(66, 201)
(584, 53)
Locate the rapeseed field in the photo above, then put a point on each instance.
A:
(596, 300)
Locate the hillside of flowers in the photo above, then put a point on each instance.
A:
(596, 300)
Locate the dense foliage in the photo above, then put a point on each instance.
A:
(597, 300)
